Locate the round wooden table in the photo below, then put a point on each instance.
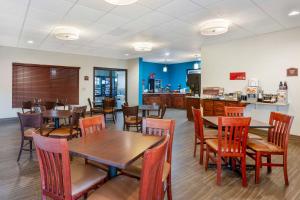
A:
(56, 115)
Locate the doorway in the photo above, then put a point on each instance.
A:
(110, 82)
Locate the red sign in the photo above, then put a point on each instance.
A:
(237, 75)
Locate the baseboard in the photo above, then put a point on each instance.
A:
(8, 120)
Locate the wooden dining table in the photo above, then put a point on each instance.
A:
(56, 115)
(213, 120)
(147, 108)
(114, 148)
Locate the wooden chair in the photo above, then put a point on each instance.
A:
(92, 124)
(109, 108)
(234, 111)
(277, 144)
(27, 105)
(150, 186)
(231, 143)
(239, 112)
(200, 135)
(69, 131)
(50, 105)
(160, 127)
(59, 178)
(131, 118)
(30, 123)
(161, 112)
(93, 110)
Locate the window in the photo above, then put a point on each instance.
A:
(45, 82)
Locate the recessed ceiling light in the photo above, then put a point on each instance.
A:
(294, 13)
(66, 33)
(167, 53)
(142, 46)
(121, 2)
(214, 27)
(30, 41)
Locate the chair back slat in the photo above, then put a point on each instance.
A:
(198, 123)
(161, 127)
(92, 124)
(279, 134)
(234, 111)
(163, 110)
(151, 184)
(54, 163)
(233, 134)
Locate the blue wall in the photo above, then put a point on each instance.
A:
(176, 74)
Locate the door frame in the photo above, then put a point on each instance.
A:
(110, 69)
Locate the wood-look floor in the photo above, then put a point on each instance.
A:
(190, 180)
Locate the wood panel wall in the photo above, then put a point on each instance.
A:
(45, 82)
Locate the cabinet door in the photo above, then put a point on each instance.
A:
(219, 107)
(178, 101)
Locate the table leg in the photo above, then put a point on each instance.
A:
(144, 113)
(112, 172)
(56, 122)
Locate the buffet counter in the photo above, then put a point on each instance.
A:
(172, 100)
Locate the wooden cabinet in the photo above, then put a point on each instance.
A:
(191, 102)
(172, 100)
(216, 107)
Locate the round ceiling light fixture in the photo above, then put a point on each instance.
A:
(121, 2)
(142, 46)
(214, 27)
(66, 33)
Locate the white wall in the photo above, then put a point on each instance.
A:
(133, 81)
(8, 55)
(264, 57)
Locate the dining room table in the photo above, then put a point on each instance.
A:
(114, 148)
(56, 115)
(147, 108)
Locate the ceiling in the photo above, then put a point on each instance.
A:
(109, 31)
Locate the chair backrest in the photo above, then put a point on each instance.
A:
(198, 123)
(233, 135)
(80, 109)
(90, 103)
(74, 121)
(126, 104)
(161, 127)
(92, 124)
(234, 111)
(26, 105)
(279, 134)
(54, 163)
(32, 120)
(39, 109)
(108, 103)
(151, 184)
(163, 111)
(50, 105)
(130, 111)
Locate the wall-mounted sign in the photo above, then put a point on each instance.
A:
(237, 75)
(86, 78)
(292, 71)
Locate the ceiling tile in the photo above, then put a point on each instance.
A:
(112, 20)
(178, 8)
(131, 12)
(96, 4)
(154, 4)
(59, 7)
(82, 13)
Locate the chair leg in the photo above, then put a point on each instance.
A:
(169, 187)
(113, 116)
(91, 113)
(286, 178)
(21, 148)
(201, 152)
(269, 160)
(30, 145)
(219, 169)
(207, 157)
(195, 146)
(243, 170)
(257, 167)
(233, 163)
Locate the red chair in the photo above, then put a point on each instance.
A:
(231, 143)
(92, 124)
(59, 179)
(234, 111)
(277, 144)
(200, 135)
(148, 188)
(159, 127)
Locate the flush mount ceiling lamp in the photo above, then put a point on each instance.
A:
(66, 33)
(214, 27)
(142, 46)
(121, 2)
(294, 13)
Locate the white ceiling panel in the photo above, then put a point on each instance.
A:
(109, 30)
(179, 8)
